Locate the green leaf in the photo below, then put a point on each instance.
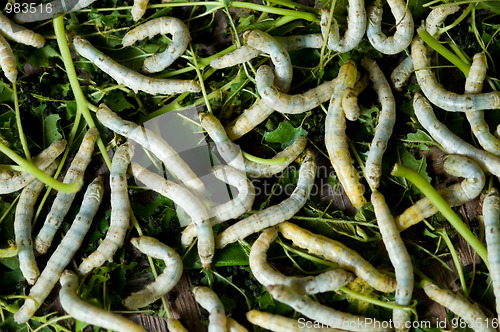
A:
(117, 101)
(51, 131)
(419, 165)
(420, 140)
(40, 56)
(285, 134)
(230, 256)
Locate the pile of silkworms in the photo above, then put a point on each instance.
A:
(275, 90)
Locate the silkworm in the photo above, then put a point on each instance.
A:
(234, 326)
(174, 325)
(231, 209)
(154, 143)
(448, 140)
(336, 138)
(256, 170)
(491, 214)
(267, 275)
(279, 323)
(217, 321)
(14, 181)
(277, 213)
(469, 312)
(400, 259)
(321, 313)
(455, 195)
(401, 74)
(404, 28)
(129, 77)
(335, 251)
(474, 84)
(138, 9)
(22, 226)
(8, 60)
(50, 9)
(248, 120)
(63, 201)
(437, 94)
(354, 32)
(386, 120)
(120, 212)
(291, 104)
(246, 52)
(161, 25)
(350, 104)
(165, 281)
(85, 312)
(188, 202)
(20, 34)
(64, 253)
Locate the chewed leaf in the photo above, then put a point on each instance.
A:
(51, 131)
(420, 140)
(285, 134)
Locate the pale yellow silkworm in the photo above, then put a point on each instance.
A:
(120, 212)
(174, 325)
(279, 323)
(336, 140)
(62, 202)
(129, 77)
(469, 312)
(138, 9)
(217, 321)
(165, 281)
(267, 275)
(22, 226)
(335, 251)
(154, 143)
(88, 313)
(323, 314)
(277, 213)
(161, 25)
(188, 202)
(455, 195)
(8, 60)
(400, 259)
(20, 34)
(64, 253)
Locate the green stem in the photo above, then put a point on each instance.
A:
(273, 10)
(446, 53)
(425, 187)
(456, 261)
(371, 300)
(263, 161)
(458, 20)
(22, 137)
(81, 101)
(200, 77)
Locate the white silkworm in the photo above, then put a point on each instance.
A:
(154, 143)
(277, 213)
(400, 259)
(50, 9)
(354, 32)
(448, 140)
(437, 94)
(217, 321)
(248, 120)
(188, 202)
(401, 74)
(161, 25)
(335, 251)
(469, 312)
(234, 326)
(14, 181)
(386, 120)
(474, 84)
(256, 170)
(8, 60)
(336, 138)
(291, 104)
(120, 212)
(246, 52)
(64, 253)
(231, 209)
(321, 313)
(129, 77)
(455, 195)
(88, 313)
(22, 226)
(20, 34)
(404, 28)
(491, 214)
(279, 323)
(138, 9)
(63, 200)
(165, 281)
(267, 275)
(174, 325)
